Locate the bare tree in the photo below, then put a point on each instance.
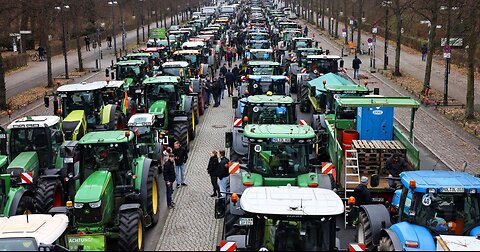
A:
(399, 7)
(77, 10)
(473, 29)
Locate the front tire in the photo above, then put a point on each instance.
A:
(153, 204)
(131, 230)
(180, 133)
(25, 206)
(386, 244)
(364, 231)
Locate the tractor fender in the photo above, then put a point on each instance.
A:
(238, 145)
(376, 215)
(414, 233)
(475, 231)
(180, 119)
(147, 163)
(204, 69)
(14, 196)
(107, 114)
(397, 244)
(127, 207)
(318, 122)
(196, 85)
(187, 102)
(140, 171)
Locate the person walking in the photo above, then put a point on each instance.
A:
(181, 157)
(424, 50)
(109, 42)
(356, 67)
(208, 89)
(87, 43)
(169, 177)
(216, 89)
(236, 74)
(305, 31)
(223, 69)
(229, 57)
(234, 53)
(41, 53)
(213, 170)
(362, 194)
(223, 173)
(394, 166)
(221, 80)
(230, 79)
(239, 52)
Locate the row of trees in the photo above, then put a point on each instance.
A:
(83, 18)
(458, 18)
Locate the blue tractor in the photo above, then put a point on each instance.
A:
(428, 204)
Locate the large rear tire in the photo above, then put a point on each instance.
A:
(386, 244)
(49, 194)
(364, 231)
(196, 109)
(131, 227)
(25, 206)
(153, 199)
(304, 102)
(180, 133)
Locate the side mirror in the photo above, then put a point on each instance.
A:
(112, 75)
(234, 102)
(316, 43)
(219, 208)
(46, 101)
(228, 139)
(55, 106)
(376, 91)
(342, 63)
(107, 72)
(313, 91)
(374, 180)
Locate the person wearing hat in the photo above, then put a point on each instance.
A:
(394, 166)
(362, 194)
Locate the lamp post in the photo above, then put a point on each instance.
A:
(113, 3)
(62, 9)
(386, 4)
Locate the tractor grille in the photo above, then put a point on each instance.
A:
(88, 214)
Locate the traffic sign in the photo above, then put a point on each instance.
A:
(374, 30)
(25, 32)
(344, 34)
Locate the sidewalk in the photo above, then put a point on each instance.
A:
(448, 142)
(36, 73)
(412, 64)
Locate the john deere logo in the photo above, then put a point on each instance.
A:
(87, 211)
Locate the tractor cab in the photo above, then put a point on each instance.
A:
(255, 67)
(288, 35)
(148, 139)
(259, 54)
(262, 84)
(258, 36)
(132, 72)
(197, 45)
(428, 205)
(285, 218)
(159, 54)
(287, 25)
(176, 68)
(259, 44)
(302, 54)
(302, 42)
(318, 65)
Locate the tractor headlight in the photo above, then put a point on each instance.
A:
(68, 160)
(95, 204)
(78, 205)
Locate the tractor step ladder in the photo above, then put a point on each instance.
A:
(352, 176)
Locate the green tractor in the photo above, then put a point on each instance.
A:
(149, 139)
(36, 171)
(118, 194)
(83, 109)
(278, 155)
(174, 111)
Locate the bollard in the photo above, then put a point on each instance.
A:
(101, 54)
(96, 63)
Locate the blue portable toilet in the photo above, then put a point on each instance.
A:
(375, 123)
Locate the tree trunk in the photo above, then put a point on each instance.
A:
(3, 90)
(323, 14)
(398, 16)
(359, 25)
(77, 41)
(474, 23)
(345, 21)
(431, 43)
(337, 15)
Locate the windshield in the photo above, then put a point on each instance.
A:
(262, 87)
(279, 159)
(144, 58)
(295, 235)
(255, 44)
(102, 157)
(262, 70)
(160, 92)
(18, 244)
(303, 44)
(260, 55)
(271, 114)
(258, 36)
(323, 66)
(450, 213)
(78, 101)
(128, 72)
(33, 139)
(144, 134)
(173, 71)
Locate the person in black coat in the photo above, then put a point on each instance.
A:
(362, 194)
(230, 79)
(169, 177)
(213, 170)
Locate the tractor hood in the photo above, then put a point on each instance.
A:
(158, 108)
(93, 187)
(27, 161)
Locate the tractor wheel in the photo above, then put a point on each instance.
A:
(48, 195)
(130, 237)
(386, 244)
(304, 103)
(153, 206)
(196, 109)
(364, 231)
(25, 206)
(118, 122)
(180, 133)
(192, 128)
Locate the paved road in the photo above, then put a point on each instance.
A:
(446, 141)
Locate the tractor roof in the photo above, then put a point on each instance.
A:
(302, 38)
(269, 99)
(291, 200)
(186, 52)
(441, 180)
(336, 83)
(258, 33)
(263, 63)
(153, 49)
(279, 131)
(324, 56)
(34, 122)
(161, 79)
(114, 84)
(45, 228)
(106, 137)
(82, 87)
(130, 62)
(141, 119)
(139, 54)
(264, 77)
(175, 64)
(309, 49)
(377, 101)
(261, 50)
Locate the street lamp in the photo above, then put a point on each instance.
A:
(112, 3)
(386, 4)
(62, 9)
